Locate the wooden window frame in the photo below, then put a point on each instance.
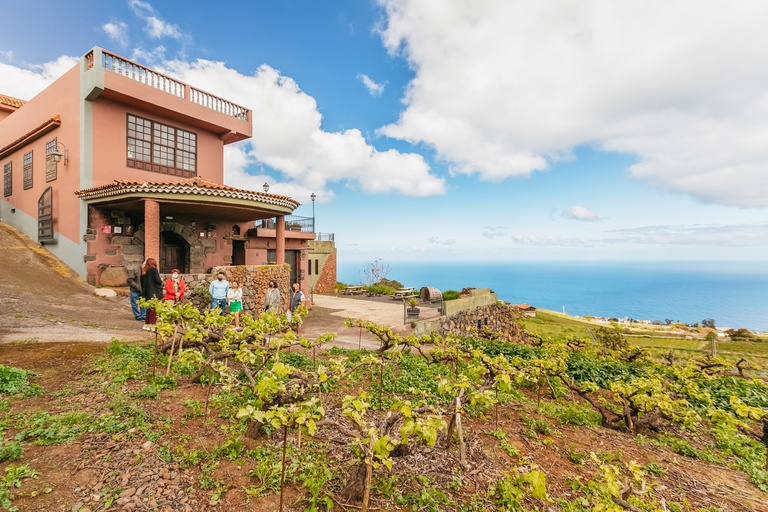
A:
(8, 179)
(51, 166)
(45, 216)
(27, 170)
(158, 147)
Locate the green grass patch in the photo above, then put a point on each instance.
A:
(554, 326)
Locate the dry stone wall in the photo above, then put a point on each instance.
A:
(255, 281)
(497, 318)
(326, 281)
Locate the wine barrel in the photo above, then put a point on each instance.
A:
(429, 293)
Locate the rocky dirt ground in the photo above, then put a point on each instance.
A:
(135, 451)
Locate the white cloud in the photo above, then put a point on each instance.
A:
(737, 235)
(551, 241)
(25, 83)
(712, 235)
(581, 213)
(117, 32)
(505, 88)
(287, 136)
(154, 26)
(374, 89)
(6, 55)
(436, 240)
(152, 57)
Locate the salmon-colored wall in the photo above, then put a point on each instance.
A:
(165, 104)
(110, 147)
(61, 98)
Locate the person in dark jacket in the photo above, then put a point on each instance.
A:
(151, 288)
(297, 297)
(134, 282)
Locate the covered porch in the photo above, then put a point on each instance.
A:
(191, 225)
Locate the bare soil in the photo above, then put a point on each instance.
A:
(52, 324)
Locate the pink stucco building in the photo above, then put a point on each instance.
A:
(114, 163)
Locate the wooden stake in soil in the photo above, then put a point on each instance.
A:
(381, 384)
(360, 339)
(208, 395)
(462, 448)
(170, 356)
(154, 360)
(496, 405)
(368, 474)
(282, 474)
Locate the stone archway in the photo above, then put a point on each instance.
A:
(197, 248)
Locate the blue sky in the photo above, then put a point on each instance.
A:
(452, 130)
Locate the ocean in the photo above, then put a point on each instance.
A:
(734, 294)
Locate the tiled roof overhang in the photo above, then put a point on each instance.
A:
(10, 104)
(36, 133)
(193, 188)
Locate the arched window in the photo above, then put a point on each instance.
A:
(45, 216)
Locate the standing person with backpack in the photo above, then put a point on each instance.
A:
(151, 288)
(134, 281)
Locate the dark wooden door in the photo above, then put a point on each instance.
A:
(172, 258)
(238, 252)
(173, 253)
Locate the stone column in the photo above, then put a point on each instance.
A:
(152, 230)
(280, 239)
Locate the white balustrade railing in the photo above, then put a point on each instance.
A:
(167, 84)
(143, 74)
(217, 104)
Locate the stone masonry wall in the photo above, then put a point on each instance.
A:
(498, 318)
(255, 281)
(327, 278)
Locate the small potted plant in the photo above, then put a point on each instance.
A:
(413, 311)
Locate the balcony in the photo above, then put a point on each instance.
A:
(150, 78)
(292, 223)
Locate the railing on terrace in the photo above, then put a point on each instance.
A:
(292, 223)
(159, 81)
(324, 237)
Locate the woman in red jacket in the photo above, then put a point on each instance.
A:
(174, 288)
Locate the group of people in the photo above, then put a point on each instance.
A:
(145, 282)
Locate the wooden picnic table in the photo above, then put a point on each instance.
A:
(404, 293)
(351, 290)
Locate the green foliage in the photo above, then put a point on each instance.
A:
(655, 469)
(390, 283)
(10, 450)
(450, 295)
(12, 480)
(426, 498)
(611, 338)
(512, 490)
(511, 450)
(45, 429)
(202, 291)
(14, 381)
(570, 413)
(585, 367)
(575, 455)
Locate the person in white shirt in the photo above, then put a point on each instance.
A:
(235, 301)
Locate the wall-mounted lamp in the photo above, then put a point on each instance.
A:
(192, 223)
(57, 156)
(266, 187)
